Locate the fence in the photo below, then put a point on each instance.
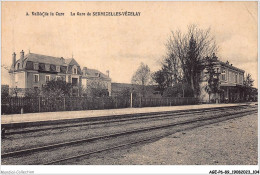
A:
(16, 105)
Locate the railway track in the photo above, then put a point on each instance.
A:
(101, 143)
(87, 130)
(11, 129)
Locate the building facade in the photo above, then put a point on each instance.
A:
(94, 79)
(231, 81)
(33, 71)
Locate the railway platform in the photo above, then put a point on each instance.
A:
(66, 115)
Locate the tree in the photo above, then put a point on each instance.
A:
(142, 77)
(213, 76)
(59, 88)
(178, 90)
(99, 92)
(126, 93)
(32, 92)
(248, 82)
(95, 88)
(248, 86)
(187, 51)
(4, 91)
(161, 79)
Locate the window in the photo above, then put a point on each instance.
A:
(236, 78)
(52, 68)
(58, 78)
(47, 78)
(36, 78)
(18, 65)
(74, 70)
(74, 81)
(47, 67)
(223, 75)
(58, 68)
(35, 66)
(241, 78)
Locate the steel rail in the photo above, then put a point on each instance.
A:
(144, 140)
(47, 147)
(157, 116)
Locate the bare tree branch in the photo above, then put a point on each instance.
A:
(185, 53)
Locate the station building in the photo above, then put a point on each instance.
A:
(32, 71)
(231, 81)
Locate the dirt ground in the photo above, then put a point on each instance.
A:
(232, 142)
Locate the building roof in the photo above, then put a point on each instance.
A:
(231, 66)
(71, 61)
(58, 61)
(93, 73)
(44, 59)
(31, 58)
(227, 64)
(118, 88)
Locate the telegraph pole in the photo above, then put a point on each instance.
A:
(131, 100)
(131, 96)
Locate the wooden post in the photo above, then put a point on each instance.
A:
(217, 97)
(39, 104)
(131, 100)
(64, 102)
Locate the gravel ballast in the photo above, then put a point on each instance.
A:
(232, 142)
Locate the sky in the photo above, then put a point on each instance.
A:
(120, 43)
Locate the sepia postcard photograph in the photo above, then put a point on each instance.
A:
(129, 83)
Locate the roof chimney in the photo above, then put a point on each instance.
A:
(227, 62)
(22, 55)
(107, 73)
(214, 57)
(14, 59)
(84, 70)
